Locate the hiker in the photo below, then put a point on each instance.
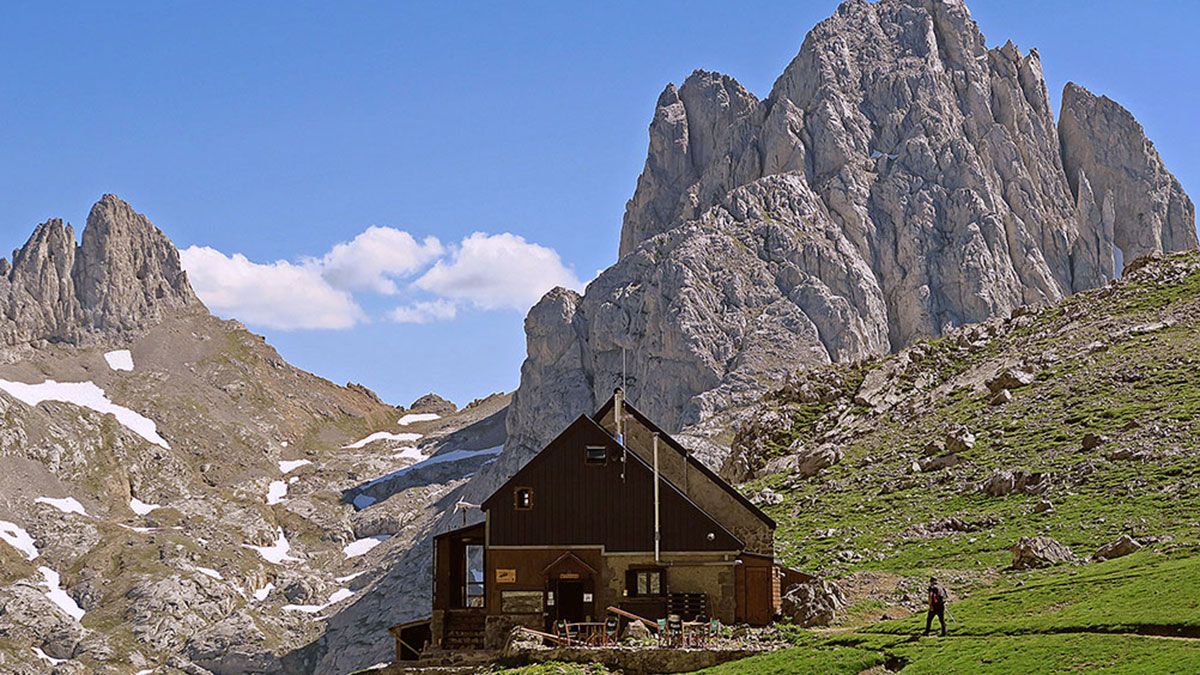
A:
(937, 605)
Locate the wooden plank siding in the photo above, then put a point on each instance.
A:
(712, 494)
(576, 503)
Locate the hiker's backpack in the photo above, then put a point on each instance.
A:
(936, 595)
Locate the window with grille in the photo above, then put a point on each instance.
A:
(644, 583)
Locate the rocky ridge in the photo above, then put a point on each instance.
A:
(225, 535)
(900, 179)
(125, 276)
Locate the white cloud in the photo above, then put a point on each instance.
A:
(375, 258)
(424, 312)
(500, 271)
(489, 272)
(277, 295)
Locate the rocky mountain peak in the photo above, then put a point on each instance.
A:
(900, 179)
(124, 276)
(1111, 163)
(432, 403)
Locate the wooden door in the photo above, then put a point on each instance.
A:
(759, 608)
(570, 600)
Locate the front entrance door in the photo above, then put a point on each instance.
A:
(570, 600)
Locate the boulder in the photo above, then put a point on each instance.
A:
(1124, 545)
(1004, 483)
(940, 462)
(1092, 441)
(815, 602)
(959, 439)
(1034, 552)
(804, 461)
(1009, 378)
(636, 631)
(766, 496)
(519, 641)
(1003, 396)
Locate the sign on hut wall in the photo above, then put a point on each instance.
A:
(521, 602)
(505, 576)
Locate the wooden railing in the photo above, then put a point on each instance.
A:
(652, 625)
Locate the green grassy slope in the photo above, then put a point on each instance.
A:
(1059, 620)
(1122, 362)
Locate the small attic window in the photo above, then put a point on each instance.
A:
(596, 454)
(523, 499)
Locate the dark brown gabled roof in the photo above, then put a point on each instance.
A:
(725, 540)
(691, 459)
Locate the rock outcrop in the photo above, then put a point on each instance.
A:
(123, 277)
(1122, 546)
(1033, 552)
(816, 602)
(900, 179)
(1115, 171)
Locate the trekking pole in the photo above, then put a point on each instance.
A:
(956, 623)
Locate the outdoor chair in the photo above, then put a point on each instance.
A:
(563, 631)
(612, 631)
(697, 635)
(675, 630)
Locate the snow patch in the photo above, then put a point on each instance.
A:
(363, 546)
(85, 395)
(413, 418)
(290, 465)
(120, 360)
(57, 595)
(18, 538)
(66, 504)
(277, 553)
(383, 436)
(262, 593)
(140, 507)
(209, 572)
(409, 452)
(337, 597)
(276, 491)
(349, 577)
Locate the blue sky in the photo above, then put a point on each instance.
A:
(278, 130)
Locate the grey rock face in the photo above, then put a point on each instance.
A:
(900, 179)
(123, 277)
(1110, 163)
